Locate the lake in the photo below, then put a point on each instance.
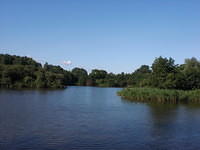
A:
(88, 118)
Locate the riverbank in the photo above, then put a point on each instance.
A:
(160, 95)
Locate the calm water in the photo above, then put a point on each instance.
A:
(93, 118)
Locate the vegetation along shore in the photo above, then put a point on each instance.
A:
(162, 81)
(160, 95)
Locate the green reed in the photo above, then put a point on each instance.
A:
(160, 95)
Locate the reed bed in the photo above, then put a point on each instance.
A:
(160, 95)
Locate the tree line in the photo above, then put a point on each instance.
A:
(24, 72)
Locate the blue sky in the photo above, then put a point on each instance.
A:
(115, 35)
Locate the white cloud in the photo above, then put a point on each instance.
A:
(68, 62)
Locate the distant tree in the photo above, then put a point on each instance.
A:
(24, 72)
(141, 76)
(28, 82)
(143, 69)
(80, 75)
(40, 81)
(5, 80)
(191, 72)
(98, 74)
(161, 68)
(17, 60)
(52, 68)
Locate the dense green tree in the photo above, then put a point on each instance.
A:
(163, 69)
(24, 72)
(5, 79)
(80, 75)
(17, 60)
(98, 74)
(40, 81)
(141, 77)
(191, 72)
(143, 69)
(52, 68)
(69, 78)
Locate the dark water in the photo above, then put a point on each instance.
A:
(80, 118)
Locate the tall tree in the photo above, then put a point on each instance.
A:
(161, 68)
(81, 75)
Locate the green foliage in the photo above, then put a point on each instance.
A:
(98, 74)
(191, 72)
(144, 69)
(142, 76)
(24, 72)
(17, 60)
(163, 71)
(81, 76)
(160, 95)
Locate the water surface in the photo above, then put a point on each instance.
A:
(84, 118)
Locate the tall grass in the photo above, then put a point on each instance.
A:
(160, 95)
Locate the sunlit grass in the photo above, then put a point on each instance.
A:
(160, 95)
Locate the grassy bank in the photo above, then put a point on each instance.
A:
(160, 95)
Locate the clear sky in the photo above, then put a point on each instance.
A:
(115, 35)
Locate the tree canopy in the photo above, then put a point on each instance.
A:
(24, 72)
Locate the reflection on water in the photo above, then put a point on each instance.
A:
(93, 118)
